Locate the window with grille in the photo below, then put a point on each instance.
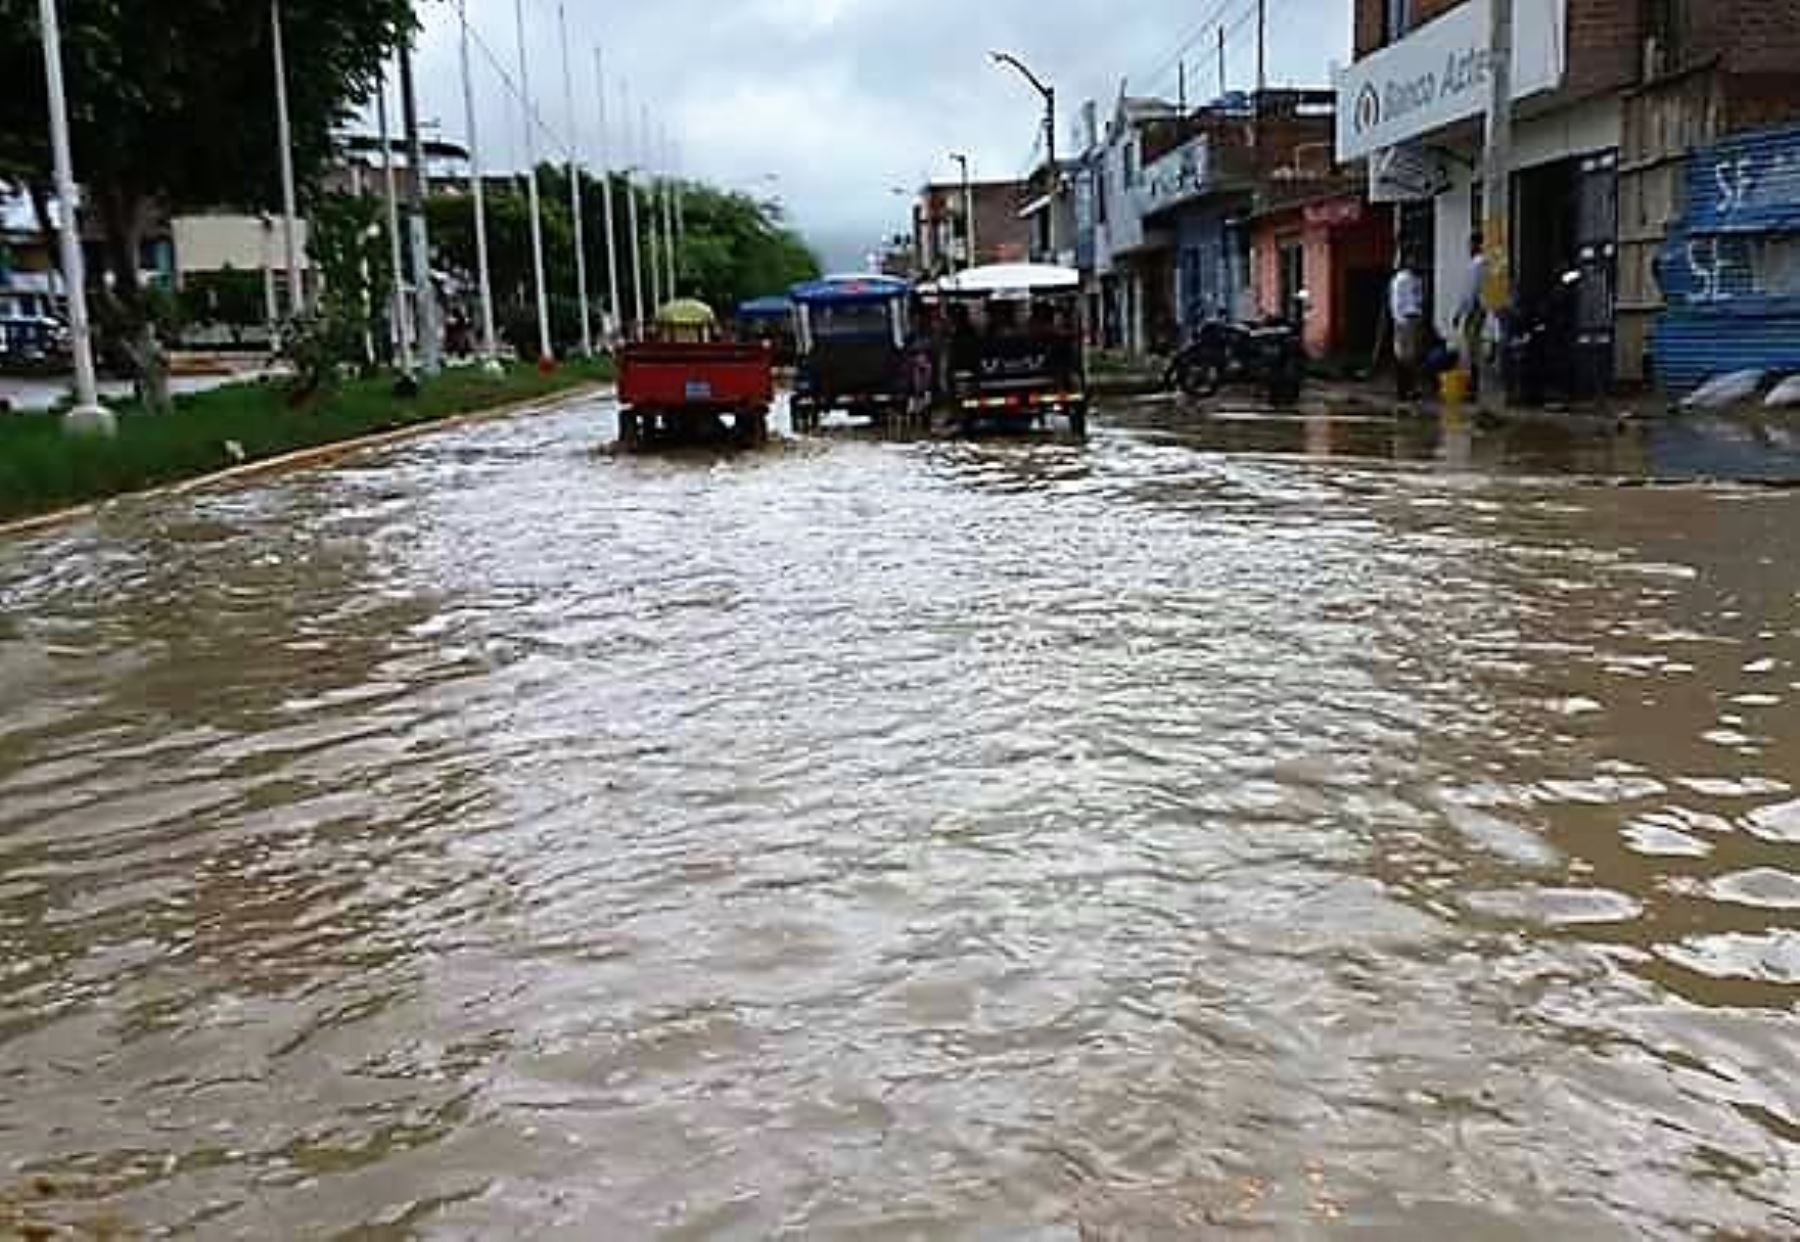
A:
(1396, 19)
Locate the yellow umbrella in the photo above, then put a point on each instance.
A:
(686, 313)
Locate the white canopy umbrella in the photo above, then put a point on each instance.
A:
(1012, 278)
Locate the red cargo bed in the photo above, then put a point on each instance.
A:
(715, 375)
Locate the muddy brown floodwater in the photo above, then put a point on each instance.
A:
(904, 840)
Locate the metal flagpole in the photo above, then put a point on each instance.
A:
(490, 343)
(289, 207)
(606, 189)
(88, 415)
(647, 148)
(631, 198)
(402, 304)
(668, 206)
(680, 196)
(546, 355)
(575, 175)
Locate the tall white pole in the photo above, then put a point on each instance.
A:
(289, 204)
(680, 196)
(88, 414)
(490, 342)
(575, 175)
(647, 148)
(668, 206)
(545, 353)
(428, 320)
(402, 303)
(631, 197)
(612, 232)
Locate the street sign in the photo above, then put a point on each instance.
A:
(1438, 75)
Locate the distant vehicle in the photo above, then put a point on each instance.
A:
(33, 337)
(1011, 349)
(684, 384)
(854, 339)
(1268, 355)
(771, 321)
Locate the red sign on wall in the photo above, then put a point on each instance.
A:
(1336, 214)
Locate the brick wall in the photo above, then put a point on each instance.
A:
(1606, 36)
(1765, 36)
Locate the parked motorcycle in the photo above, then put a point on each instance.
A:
(1269, 355)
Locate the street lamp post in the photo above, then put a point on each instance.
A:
(88, 415)
(968, 196)
(1048, 94)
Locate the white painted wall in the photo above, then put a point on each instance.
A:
(209, 243)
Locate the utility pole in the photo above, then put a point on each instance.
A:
(88, 416)
(1262, 46)
(612, 232)
(1224, 85)
(546, 353)
(1496, 294)
(431, 344)
(1262, 85)
(402, 305)
(968, 197)
(1181, 87)
(490, 343)
(1055, 170)
(289, 207)
(575, 174)
(631, 198)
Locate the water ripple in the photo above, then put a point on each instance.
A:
(882, 837)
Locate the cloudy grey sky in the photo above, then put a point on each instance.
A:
(831, 104)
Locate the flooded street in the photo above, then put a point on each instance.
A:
(905, 840)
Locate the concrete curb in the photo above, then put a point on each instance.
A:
(318, 455)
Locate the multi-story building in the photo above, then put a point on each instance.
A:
(941, 225)
(1609, 98)
(1131, 296)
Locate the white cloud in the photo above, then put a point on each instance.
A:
(843, 99)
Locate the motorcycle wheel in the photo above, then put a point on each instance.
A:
(1202, 377)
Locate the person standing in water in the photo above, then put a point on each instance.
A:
(1406, 305)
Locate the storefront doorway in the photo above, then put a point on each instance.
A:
(1565, 230)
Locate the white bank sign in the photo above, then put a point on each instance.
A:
(1438, 74)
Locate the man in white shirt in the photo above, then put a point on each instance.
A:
(1471, 312)
(1406, 305)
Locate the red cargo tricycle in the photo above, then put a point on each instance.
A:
(686, 386)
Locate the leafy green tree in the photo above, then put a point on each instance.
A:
(172, 107)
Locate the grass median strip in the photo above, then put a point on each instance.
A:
(43, 468)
